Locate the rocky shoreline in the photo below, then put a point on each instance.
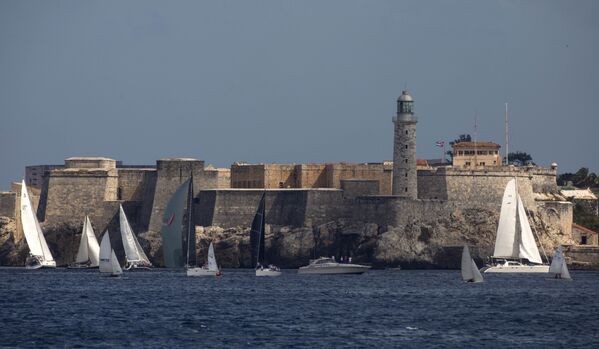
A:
(435, 244)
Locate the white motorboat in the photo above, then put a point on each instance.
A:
(39, 253)
(325, 265)
(516, 250)
(257, 237)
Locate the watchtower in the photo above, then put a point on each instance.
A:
(404, 148)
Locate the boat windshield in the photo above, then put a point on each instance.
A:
(324, 260)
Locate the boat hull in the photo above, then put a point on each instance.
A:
(267, 272)
(334, 269)
(202, 272)
(516, 269)
(40, 264)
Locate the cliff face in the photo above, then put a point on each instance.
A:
(426, 241)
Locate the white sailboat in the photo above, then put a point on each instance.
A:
(470, 272)
(88, 255)
(515, 242)
(108, 261)
(39, 253)
(558, 268)
(136, 257)
(210, 269)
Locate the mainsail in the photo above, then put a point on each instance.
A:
(212, 266)
(191, 230)
(470, 272)
(108, 261)
(133, 251)
(172, 220)
(33, 232)
(514, 235)
(89, 250)
(558, 265)
(257, 234)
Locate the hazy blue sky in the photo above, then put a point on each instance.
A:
(292, 81)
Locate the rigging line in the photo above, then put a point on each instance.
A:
(537, 235)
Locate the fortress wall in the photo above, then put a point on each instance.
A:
(338, 172)
(8, 204)
(133, 183)
(217, 178)
(294, 207)
(359, 187)
(275, 174)
(483, 185)
(312, 176)
(170, 174)
(74, 193)
(557, 214)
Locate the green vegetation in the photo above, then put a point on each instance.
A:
(587, 220)
(583, 178)
(520, 158)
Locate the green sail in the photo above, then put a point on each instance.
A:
(172, 239)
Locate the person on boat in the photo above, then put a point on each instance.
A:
(349, 260)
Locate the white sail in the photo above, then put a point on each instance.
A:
(32, 230)
(82, 254)
(93, 248)
(114, 264)
(477, 276)
(212, 266)
(133, 250)
(467, 273)
(528, 247)
(105, 254)
(558, 265)
(470, 272)
(505, 243)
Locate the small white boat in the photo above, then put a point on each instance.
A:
(325, 265)
(558, 268)
(39, 253)
(257, 237)
(108, 261)
(88, 255)
(515, 243)
(470, 272)
(211, 269)
(136, 257)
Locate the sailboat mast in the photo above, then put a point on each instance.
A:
(191, 241)
(507, 160)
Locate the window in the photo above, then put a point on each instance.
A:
(406, 174)
(406, 160)
(406, 146)
(406, 190)
(482, 163)
(583, 240)
(467, 163)
(406, 131)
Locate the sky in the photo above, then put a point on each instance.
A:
(293, 81)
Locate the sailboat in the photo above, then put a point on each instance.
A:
(515, 242)
(558, 268)
(39, 253)
(136, 257)
(209, 269)
(88, 255)
(470, 272)
(257, 242)
(108, 261)
(172, 220)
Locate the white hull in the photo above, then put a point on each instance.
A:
(333, 268)
(45, 264)
(202, 272)
(516, 269)
(267, 272)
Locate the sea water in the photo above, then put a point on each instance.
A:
(412, 309)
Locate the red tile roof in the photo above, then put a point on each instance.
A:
(578, 226)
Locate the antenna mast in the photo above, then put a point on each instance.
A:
(507, 138)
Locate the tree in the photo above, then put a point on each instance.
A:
(520, 159)
(460, 139)
(583, 178)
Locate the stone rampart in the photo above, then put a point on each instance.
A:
(483, 185)
(170, 174)
(8, 204)
(291, 207)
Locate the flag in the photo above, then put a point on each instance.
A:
(440, 144)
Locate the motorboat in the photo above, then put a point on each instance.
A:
(511, 266)
(326, 265)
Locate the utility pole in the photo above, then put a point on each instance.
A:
(507, 138)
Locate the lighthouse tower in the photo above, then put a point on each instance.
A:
(404, 148)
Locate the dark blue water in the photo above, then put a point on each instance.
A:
(414, 309)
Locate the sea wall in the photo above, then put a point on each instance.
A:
(8, 204)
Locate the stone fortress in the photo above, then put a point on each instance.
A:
(391, 213)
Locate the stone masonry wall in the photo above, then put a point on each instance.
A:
(8, 204)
